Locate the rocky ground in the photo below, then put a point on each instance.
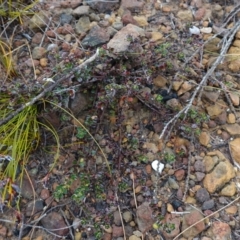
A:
(159, 102)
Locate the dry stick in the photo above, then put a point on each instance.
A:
(211, 70)
(43, 93)
(231, 15)
(205, 78)
(44, 34)
(235, 163)
(212, 214)
(124, 233)
(226, 92)
(132, 176)
(21, 229)
(67, 222)
(188, 176)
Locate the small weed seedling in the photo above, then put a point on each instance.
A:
(163, 49)
(142, 158)
(162, 226)
(79, 194)
(169, 157)
(159, 98)
(81, 133)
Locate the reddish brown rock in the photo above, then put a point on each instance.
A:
(222, 118)
(54, 220)
(144, 217)
(3, 231)
(117, 231)
(172, 220)
(189, 220)
(219, 231)
(45, 194)
(128, 18)
(66, 47)
(67, 29)
(179, 174)
(70, 4)
(51, 33)
(32, 62)
(197, 3)
(107, 236)
(37, 38)
(199, 14)
(132, 5)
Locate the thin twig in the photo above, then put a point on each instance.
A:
(132, 176)
(67, 222)
(188, 176)
(212, 214)
(44, 34)
(21, 228)
(233, 13)
(226, 92)
(120, 214)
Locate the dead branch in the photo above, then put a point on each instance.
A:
(212, 214)
(229, 38)
(233, 13)
(50, 88)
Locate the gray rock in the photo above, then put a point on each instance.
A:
(172, 183)
(65, 18)
(117, 25)
(38, 52)
(103, 6)
(39, 20)
(128, 230)
(210, 96)
(34, 207)
(94, 17)
(81, 10)
(111, 31)
(202, 195)
(27, 190)
(83, 25)
(52, 46)
(120, 42)
(132, 5)
(117, 218)
(222, 118)
(54, 220)
(96, 37)
(208, 205)
(199, 166)
(200, 176)
(79, 103)
(127, 216)
(223, 200)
